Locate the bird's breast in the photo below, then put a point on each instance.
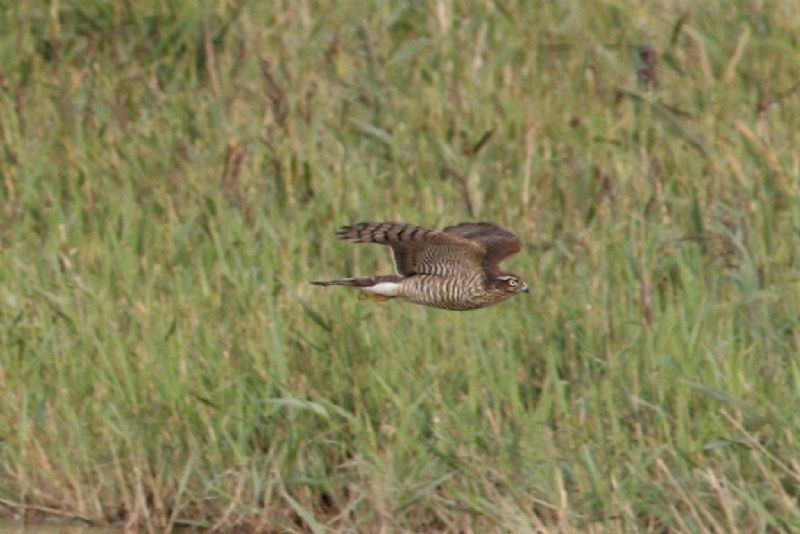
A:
(463, 292)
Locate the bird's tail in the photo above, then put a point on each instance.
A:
(363, 283)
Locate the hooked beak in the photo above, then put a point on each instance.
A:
(525, 288)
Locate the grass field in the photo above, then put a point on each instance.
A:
(172, 177)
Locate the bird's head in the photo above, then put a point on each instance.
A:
(509, 284)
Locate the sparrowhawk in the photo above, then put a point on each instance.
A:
(457, 268)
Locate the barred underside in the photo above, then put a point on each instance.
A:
(448, 292)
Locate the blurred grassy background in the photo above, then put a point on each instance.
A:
(172, 175)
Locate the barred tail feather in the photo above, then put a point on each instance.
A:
(387, 233)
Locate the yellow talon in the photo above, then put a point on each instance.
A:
(373, 297)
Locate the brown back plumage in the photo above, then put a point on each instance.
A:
(418, 250)
(498, 242)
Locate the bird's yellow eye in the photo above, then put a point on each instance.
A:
(512, 282)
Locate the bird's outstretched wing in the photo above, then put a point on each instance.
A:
(419, 250)
(498, 242)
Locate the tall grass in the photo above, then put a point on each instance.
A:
(172, 175)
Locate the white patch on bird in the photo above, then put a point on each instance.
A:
(387, 289)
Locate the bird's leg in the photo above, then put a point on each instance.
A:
(373, 297)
